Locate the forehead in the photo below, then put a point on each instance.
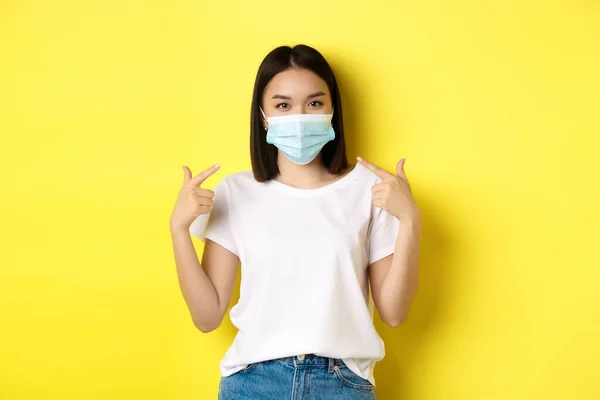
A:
(295, 82)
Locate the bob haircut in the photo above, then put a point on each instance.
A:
(263, 154)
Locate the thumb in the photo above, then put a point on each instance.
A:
(400, 168)
(187, 174)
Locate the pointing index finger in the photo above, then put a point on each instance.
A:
(204, 175)
(380, 172)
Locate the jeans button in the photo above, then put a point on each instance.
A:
(301, 357)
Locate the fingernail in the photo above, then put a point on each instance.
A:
(359, 159)
(217, 165)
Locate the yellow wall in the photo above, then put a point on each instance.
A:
(494, 104)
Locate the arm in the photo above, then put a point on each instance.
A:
(394, 279)
(207, 291)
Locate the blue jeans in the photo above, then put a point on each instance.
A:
(307, 377)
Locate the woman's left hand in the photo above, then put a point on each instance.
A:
(393, 193)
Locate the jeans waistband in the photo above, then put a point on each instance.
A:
(311, 360)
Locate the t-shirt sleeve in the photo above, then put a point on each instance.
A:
(382, 234)
(216, 225)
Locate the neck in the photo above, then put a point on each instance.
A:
(306, 176)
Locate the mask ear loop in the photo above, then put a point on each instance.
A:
(265, 117)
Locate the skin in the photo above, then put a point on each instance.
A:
(207, 286)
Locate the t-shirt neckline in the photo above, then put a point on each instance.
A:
(323, 189)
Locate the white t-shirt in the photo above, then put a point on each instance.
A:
(304, 257)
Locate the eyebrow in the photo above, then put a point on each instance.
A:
(310, 96)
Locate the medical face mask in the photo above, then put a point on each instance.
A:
(300, 137)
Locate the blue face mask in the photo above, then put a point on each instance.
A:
(300, 137)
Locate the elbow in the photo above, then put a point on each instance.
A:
(396, 321)
(205, 329)
(205, 326)
(206, 321)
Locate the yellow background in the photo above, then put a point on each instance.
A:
(494, 104)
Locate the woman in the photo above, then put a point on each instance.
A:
(311, 233)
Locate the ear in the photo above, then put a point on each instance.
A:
(263, 119)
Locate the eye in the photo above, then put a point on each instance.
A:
(282, 105)
(315, 103)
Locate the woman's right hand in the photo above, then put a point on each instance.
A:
(192, 200)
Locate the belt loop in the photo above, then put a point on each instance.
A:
(331, 364)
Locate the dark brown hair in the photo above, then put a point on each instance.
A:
(263, 154)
